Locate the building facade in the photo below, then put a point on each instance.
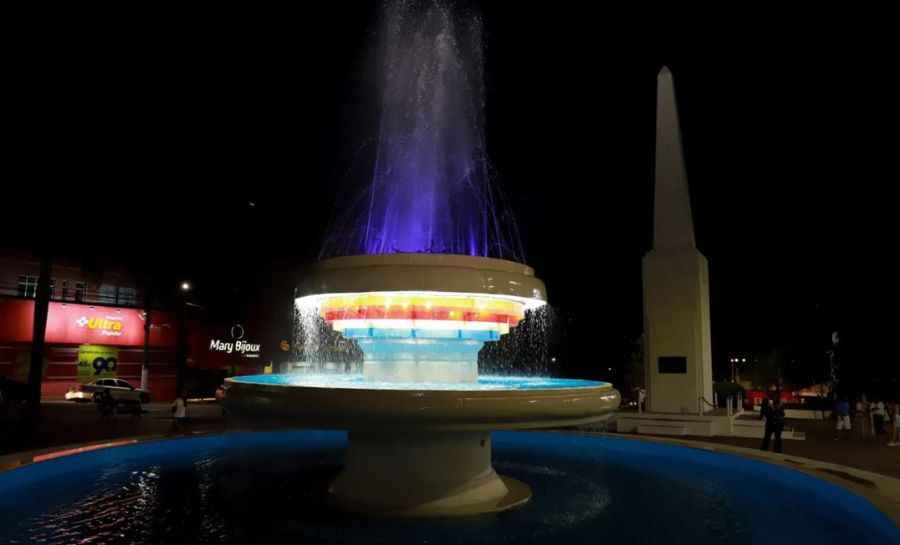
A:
(96, 327)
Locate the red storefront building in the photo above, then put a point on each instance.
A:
(97, 309)
(71, 326)
(214, 348)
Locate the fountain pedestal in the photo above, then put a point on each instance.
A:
(423, 474)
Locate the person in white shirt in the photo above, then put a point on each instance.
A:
(861, 415)
(179, 411)
(879, 415)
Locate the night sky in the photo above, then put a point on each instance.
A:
(146, 144)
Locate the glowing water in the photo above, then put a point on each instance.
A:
(430, 188)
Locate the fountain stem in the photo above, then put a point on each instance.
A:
(423, 474)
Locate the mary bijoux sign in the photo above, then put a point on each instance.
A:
(236, 344)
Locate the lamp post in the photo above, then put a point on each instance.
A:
(181, 349)
(148, 321)
(39, 329)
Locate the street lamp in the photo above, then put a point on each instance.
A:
(181, 348)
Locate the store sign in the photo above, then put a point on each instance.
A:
(76, 324)
(239, 347)
(96, 361)
(110, 326)
(237, 344)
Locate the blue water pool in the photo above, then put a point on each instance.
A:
(485, 382)
(267, 487)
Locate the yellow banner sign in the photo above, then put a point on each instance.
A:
(97, 361)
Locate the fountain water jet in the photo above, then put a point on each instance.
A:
(430, 188)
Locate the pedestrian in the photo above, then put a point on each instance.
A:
(765, 409)
(106, 404)
(842, 413)
(179, 411)
(894, 416)
(774, 425)
(870, 427)
(879, 416)
(861, 416)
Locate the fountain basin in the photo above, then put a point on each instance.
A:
(353, 403)
(421, 449)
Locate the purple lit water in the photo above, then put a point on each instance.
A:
(430, 186)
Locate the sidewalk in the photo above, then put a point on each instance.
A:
(854, 451)
(67, 423)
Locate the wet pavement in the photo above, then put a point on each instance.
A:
(68, 423)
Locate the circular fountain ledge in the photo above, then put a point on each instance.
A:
(444, 273)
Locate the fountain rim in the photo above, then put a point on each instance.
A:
(587, 386)
(444, 274)
(422, 409)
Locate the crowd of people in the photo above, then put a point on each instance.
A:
(876, 418)
(870, 419)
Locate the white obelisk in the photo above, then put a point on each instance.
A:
(676, 279)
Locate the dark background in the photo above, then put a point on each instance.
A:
(144, 138)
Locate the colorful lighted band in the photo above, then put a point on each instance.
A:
(424, 316)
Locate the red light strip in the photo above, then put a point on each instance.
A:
(79, 450)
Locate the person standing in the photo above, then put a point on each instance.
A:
(870, 421)
(774, 425)
(894, 418)
(879, 415)
(842, 412)
(861, 416)
(765, 410)
(105, 404)
(179, 412)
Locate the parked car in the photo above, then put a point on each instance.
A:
(119, 389)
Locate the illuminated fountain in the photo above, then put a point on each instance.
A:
(416, 273)
(419, 415)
